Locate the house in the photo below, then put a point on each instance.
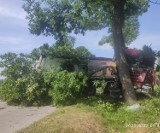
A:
(52, 63)
(95, 65)
(101, 66)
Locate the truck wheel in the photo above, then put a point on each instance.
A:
(91, 88)
(114, 90)
(106, 89)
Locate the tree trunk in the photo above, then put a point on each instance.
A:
(117, 24)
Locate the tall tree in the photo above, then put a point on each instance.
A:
(61, 17)
(130, 32)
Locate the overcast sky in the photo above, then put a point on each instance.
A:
(15, 37)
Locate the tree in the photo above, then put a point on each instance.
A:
(130, 32)
(73, 56)
(61, 17)
(15, 66)
(37, 52)
(22, 83)
(157, 2)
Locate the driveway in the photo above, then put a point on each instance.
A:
(13, 118)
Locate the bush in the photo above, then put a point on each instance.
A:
(65, 87)
(1, 81)
(24, 85)
(36, 91)
(27, 90)
(8, 90)
(100, 85)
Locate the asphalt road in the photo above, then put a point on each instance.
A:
(14, 118)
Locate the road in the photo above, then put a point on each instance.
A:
(14, 118)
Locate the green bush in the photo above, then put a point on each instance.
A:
(100, 85)
(22, 84)
(27, 90)
(8, 90)
(1, 81)
(65, 87)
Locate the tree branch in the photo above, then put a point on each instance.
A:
(157, 2)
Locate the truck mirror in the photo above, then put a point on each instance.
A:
(158, 68)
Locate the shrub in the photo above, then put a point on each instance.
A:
(27, 90)
(22, 84)
(1, 81)
(65, 87)
(100, 85)
(8, 90)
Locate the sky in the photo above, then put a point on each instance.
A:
(15, 36)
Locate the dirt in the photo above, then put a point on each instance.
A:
(139, 130)
(14, 118)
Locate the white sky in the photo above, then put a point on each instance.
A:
(15, 37)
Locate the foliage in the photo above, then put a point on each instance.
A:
(113, 116)
(141, 58)
(27, 90)
(65, 87)
(1, 81)
(100, 85)
(37, 52)
(72, 56)
(25, 85)
(22, 84)
(148, 52)
(130, 32)
(15, 65)
(42, 17)
(79, 16)
(8, 91)
(148, 55)
(59, 18)
(118, 119)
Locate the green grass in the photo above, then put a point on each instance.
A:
(103, 113)
(117, 118)
(68, 120)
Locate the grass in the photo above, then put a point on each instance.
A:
(68, 120)
(117, 119)
(98, 115)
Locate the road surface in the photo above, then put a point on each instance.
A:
(14, 118)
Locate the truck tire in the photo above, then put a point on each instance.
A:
(114, 89)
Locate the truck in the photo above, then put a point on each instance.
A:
(141, 65)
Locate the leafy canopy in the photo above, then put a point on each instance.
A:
(72, 56)
(62, 17)
(22, 83)
(59, 18)
(15, 65)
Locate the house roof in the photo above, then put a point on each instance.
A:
(90, 58)
(101, 58)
